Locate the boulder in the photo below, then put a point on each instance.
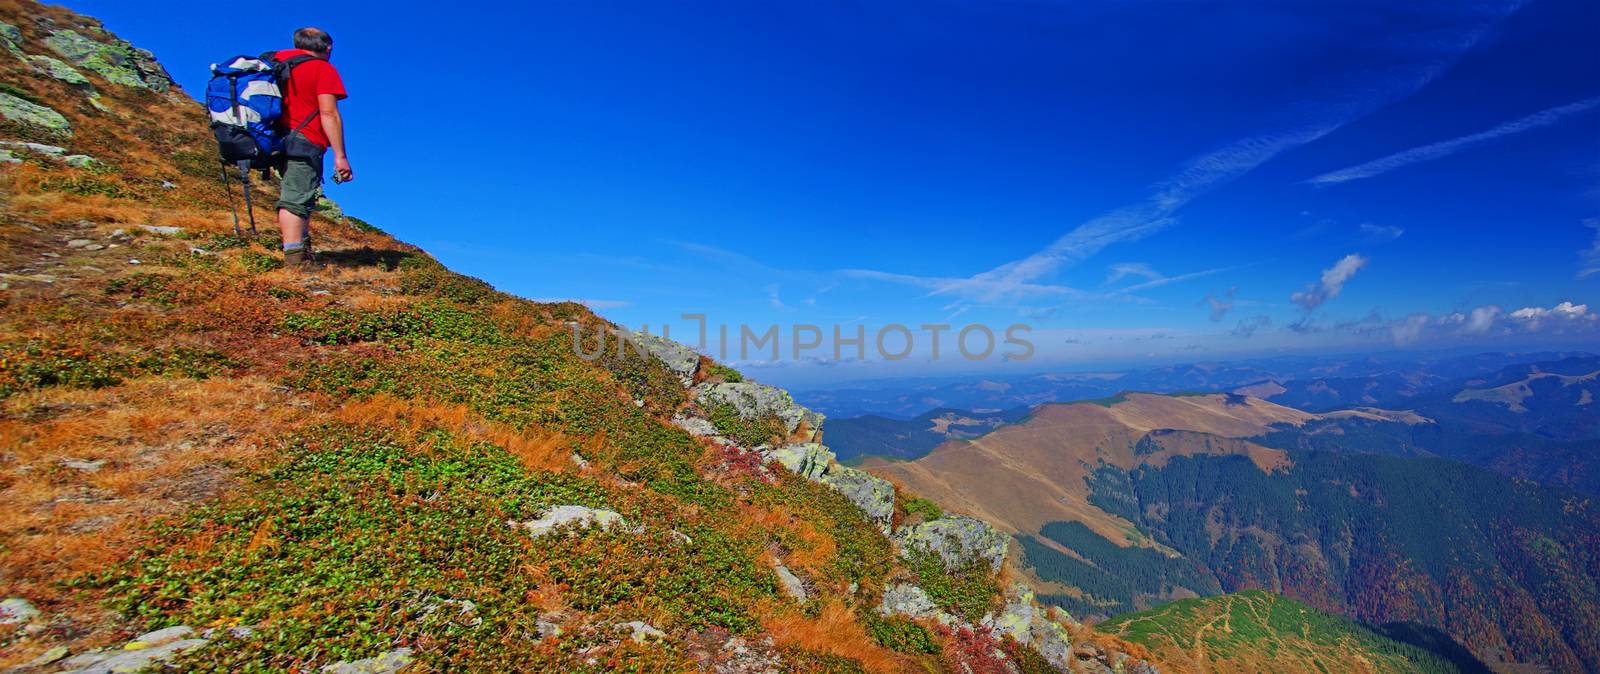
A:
(117, 61)
(7, 158)
(757, 401)
(388, 663)
(873, 494)
(809, 460)
(41, 148)
(1025, 621)
(11, 33)
(696, 426)
(146, 651)
(18, 110)
(958, 540)
(682, 360)
(79, 160)
(59, 69)
(905, 599)
(571, 515)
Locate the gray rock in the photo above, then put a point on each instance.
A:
(139, 659)
(78, 243)
(873, 494)
(164, 231)
(117, 61)
(159, 637)
(40, 148)
(809, 460)
(640, 632)
(80, 160)
(1024, 620)
(17, 611)
(758, 401)
(48, 657)
(957, 539)
(682, 360)
(10, 32)
(571, 515)
(59, 69)
(790, 582)
(18, 110)
(388, 663)
(7, 158)
(696, 426)
(905, 599)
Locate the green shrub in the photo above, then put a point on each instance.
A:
(898, 633)
(968, 592)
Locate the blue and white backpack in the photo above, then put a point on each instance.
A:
(245, 97)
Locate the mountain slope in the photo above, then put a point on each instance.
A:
(212, 464)
(1140, 499)
(1256, 631)
(872, 435)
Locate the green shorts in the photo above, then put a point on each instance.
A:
(301, 185)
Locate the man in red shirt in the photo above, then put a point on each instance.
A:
(311, 113)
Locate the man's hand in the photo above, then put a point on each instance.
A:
(341, 170)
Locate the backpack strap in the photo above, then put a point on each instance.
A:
(283, 71)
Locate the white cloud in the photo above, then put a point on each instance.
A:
(1408, 329)
(1562, 311)
(1332, 282)
(1481, 319)
(1220, 306)
(1449, 147)
(1122, 270)
(1589, 264)
(1380, 233)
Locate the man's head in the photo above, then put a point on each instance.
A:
(314, 40)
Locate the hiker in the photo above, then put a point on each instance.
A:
(311, 115)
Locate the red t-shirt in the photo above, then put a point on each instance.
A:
(307, 81)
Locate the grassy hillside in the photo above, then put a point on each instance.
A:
(370, 464)
(1257, 631)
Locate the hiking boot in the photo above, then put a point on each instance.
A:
(297, 260)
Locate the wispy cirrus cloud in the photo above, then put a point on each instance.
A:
(1589, 259)
(1445, 148)
(1325, 111)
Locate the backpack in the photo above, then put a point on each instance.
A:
(245, 98)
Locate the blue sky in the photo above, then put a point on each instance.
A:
(1135, 181)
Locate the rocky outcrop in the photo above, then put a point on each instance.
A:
(791, 584)
(681, 360)
(759, 401)
(958, 540)
(146, 651)
(815, 462)
(905, 599)
(809, 460)
(1024, 620)
(24, 112)
(117, 61)
(17, 611)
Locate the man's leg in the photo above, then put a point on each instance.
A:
(300, 184)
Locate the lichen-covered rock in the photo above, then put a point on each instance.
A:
(388, 663)
(753, 400)
(873, 494)
(79, 160)
(18, 110)
(571, 515)
(17, 611)
(117, 61)
(144, 652)
(696, 426)
(6, 157)
(329, 208)
(681, 360)
(958, 540)
(59, 69)
(1024, 620)
(809, 460)
(10, 33)
(905, 599)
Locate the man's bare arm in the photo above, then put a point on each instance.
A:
(333, 126)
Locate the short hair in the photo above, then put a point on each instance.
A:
(313, 39)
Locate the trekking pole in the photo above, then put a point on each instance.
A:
(244, 170)
(227, 185)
